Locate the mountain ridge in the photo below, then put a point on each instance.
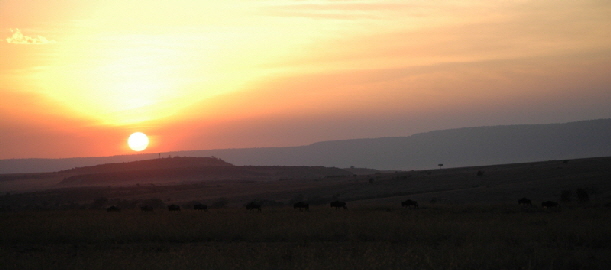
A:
(467, 146)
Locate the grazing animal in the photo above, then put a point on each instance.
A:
(200, 207)
(549, 204)
(338, 205)
(524, 201)
(253, 205)
(113, 209)
(173, 207)
(302, 206)
(409, 203)
(146, 208)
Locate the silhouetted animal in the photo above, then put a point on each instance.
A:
(338, 205)
(253, 205)
(524, 201)
(146, 208)
(200, 207)
(549, 204)
(113, 209)
(301, 206)
(173, 207)
(409, 204)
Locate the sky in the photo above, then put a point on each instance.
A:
(78, 77)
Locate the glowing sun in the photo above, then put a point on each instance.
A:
(138, 141)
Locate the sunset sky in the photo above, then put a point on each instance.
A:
(78, 77)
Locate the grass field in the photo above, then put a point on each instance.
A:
(373, 237)
(465, 221)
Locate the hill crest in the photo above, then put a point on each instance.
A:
(151, 164)
(469, 146)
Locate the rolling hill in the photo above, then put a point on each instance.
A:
(281, 185)
(470, 146)
(161, 171)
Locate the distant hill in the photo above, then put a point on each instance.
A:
(470, 146)
(504, 183)
(185, 175)
(151, 164)
(165, 172)
(473, 146)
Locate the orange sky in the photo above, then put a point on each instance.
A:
(77, 77)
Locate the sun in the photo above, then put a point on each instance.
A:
(138, 141)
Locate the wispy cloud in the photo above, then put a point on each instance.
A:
(18, 38)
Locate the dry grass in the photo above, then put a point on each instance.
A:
(375, 237)
(482, 227)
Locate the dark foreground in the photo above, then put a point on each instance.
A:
(376, 237)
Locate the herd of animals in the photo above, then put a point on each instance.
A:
(545, 204)
(303, 206)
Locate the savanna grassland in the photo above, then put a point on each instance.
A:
(468, 218)
(381, 237)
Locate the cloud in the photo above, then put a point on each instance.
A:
(18, 38)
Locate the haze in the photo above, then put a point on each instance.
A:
(77, 77)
